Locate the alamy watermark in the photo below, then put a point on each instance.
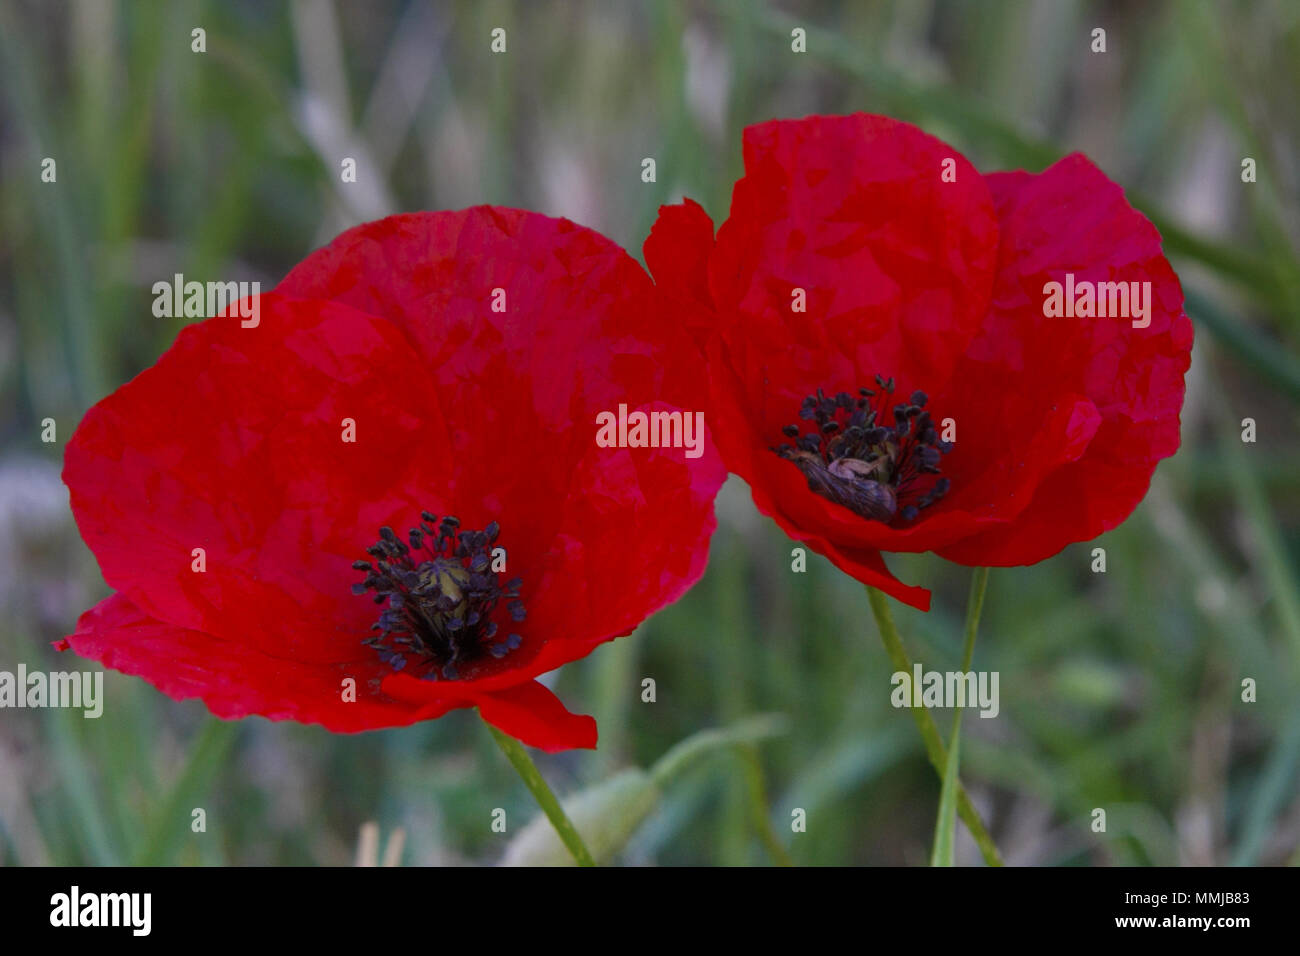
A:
(77, 689)
(202, 300)
(656, 429)
(1085, 299)
(923, 688)
(75, 908)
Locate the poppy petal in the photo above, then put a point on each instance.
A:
(855, 246)
(530, 713)
(677, 255)
(238, 680)
(458, 363)
(234, 443)
(1130, 376)
(896, 263)
(579, 330)
(527, 710)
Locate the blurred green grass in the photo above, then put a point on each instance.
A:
(1119, 691)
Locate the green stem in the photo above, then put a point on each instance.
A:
(934, 747)
(944, 824)
(979, 583)
(758, 805)
(532, 778)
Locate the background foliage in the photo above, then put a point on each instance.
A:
(1119, 691)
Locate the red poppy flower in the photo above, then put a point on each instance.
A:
(469, 354)
(929, 397)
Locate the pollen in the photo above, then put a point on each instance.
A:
(441, 598)
(880, 464)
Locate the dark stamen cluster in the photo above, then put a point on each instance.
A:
(441, 595)
(874, 463)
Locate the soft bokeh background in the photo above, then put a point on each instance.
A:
(1119, 690)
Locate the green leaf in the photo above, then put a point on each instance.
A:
(1270, 358)
(171, 822)
(697, 746)
(606, 816)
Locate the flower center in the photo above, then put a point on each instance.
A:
(441, 595)
(857, 459)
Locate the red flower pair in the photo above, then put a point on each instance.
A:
(394, 477)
